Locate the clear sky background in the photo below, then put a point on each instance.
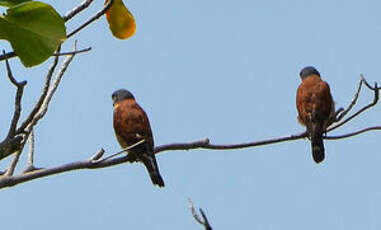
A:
(226, 70)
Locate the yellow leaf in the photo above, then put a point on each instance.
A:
(121, 21)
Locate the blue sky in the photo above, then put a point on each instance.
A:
(226, 70)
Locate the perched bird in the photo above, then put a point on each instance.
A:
(131, 125)
(316, 109)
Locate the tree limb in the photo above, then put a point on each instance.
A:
(16, 138)
(96, 162)
(205, 144)
(10, 145)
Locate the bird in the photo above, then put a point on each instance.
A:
(131, 125)
(316, 109)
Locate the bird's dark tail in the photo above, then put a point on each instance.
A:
(149, 161)
(317, 145)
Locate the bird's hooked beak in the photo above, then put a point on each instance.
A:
(115, 105)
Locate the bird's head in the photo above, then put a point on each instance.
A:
(120, 95)
(308, 71)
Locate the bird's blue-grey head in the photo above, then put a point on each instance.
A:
(307, 71)
(120, 95)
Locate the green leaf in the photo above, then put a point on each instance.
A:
(34, 29)
(9, 3)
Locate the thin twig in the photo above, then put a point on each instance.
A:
(31, 148)
(353, 102)
(7, 56)
(18, 97)
(73, 52)
(13, 164)
(30, 162)
(13, 54)
(204, 221)
(98, 155)
(10, 74)
(69, 15)
(120, 152)
(368, 85)
(206, 225)
(375, 89)
(353, 133)
(194, 213)
(95, 17)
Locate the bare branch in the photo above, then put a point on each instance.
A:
(353, 133)
(30, 163)
(194, 213)
(205, 144)
(13, 164)
(69, 15)
(19, 93)
(120, 152)
(98, 155)
(368, 85)
(72, 52)
(204, 221)
(375, 89)
(206, 225)
(13, 54)
(31, 148)
(93, 163)
(95, 17)
(7, 56)
(7, 181)
(353, 102)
